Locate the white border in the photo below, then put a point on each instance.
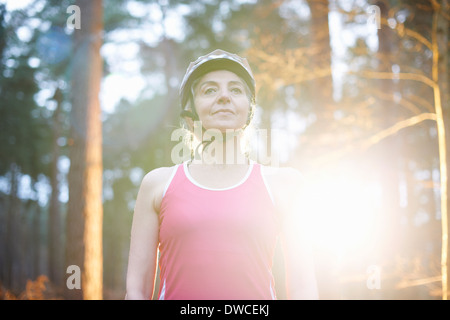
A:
(269, 191)
(188, 175)
(170, 179)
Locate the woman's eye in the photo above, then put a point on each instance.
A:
(209, 90)
(236, 90)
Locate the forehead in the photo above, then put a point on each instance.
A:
(220, 76)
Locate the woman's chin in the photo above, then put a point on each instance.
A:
(224, 127)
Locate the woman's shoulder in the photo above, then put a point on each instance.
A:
(286, 184)
(158, 176)
(287, 176)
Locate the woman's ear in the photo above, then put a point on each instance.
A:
(188, 117)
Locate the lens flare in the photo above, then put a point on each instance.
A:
(343, 212)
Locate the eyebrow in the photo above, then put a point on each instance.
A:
(211, 82)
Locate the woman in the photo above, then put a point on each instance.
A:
(216, 218)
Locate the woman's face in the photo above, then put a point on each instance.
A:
(222, 101)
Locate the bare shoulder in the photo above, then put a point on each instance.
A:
(283, 177)
(286, 184)
(158, 177)
(152, 186)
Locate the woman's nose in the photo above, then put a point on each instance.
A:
(224, 96)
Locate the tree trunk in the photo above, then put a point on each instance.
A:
(36, 242)
(85, 211)
(12, 216)
(322, 86)
(321, 89)
(440, 75)
(54, 219)
(388, 151)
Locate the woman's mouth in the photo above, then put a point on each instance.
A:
(223, 111)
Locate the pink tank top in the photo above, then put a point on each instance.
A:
(217, 244)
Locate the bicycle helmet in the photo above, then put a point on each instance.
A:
(216, 60)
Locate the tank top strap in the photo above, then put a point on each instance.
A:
(177, 171)
(258, 173)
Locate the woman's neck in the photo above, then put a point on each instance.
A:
(224, 149)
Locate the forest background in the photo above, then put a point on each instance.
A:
(353, 93)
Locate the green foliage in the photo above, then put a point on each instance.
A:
(24, 138)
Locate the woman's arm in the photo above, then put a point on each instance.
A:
(142, 261)
(296, 241)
